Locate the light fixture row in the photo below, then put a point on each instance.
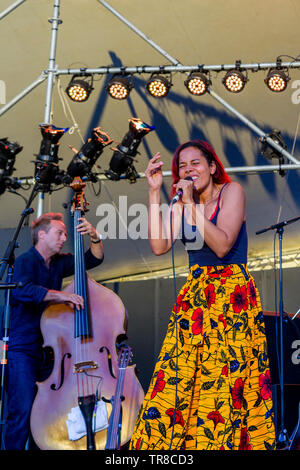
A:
(159, 84)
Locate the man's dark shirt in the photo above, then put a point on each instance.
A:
(27, 302)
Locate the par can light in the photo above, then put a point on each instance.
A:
(234, 81)
(276, 80)
(79, 89)
(197, 83)
(158, 86)
(119, 87)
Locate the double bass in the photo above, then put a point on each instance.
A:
(69, 403)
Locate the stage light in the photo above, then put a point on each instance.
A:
(84, 160)
(79, 89)
(8, 152)
(46, 164)
(158, 86)
(119, 87)
(197, 83)
(123, 157)
(276, 80)
(234, 81)
(270, 152)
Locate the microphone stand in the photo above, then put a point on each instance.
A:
(8, 262)
(283, 440)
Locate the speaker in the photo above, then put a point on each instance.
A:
(291, 368)
(291, 395)
(291, 347)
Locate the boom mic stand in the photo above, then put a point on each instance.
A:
(8, 262)
(283, 440)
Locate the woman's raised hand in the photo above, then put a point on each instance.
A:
(153, 172)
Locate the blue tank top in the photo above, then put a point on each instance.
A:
(207, 257)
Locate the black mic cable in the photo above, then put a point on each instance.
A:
(175, 318)
(174, 200)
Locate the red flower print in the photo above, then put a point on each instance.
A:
(226, 272)
(215, 417)
(252, 293)
(197, 317)
(210, 294)
(225, 371)
(178, 417)
(179, 300)
(265, 385)
(181, 296)
(239, 299)
(185, 306)
(245, 440)
(237, 394)
(222, 319)
(159, 384)
(223, 272)
(138, 443)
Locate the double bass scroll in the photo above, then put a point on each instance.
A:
(85, 361)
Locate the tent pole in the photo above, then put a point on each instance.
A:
(22, 94)
(139, 32)
(12, 7)
(55, 21)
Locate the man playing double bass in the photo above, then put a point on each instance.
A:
(41, 271)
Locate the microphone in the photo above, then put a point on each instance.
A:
(180, 191)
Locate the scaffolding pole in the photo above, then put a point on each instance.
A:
(238, 170)
(51, 72)
(12, 7)
(22, 94)
(172, 68)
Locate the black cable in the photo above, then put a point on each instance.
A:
(275, 302)
(175, 319)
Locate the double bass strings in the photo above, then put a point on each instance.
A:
(81, 314)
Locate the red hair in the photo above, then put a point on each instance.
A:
(219, 177)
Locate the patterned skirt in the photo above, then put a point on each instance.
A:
(211, 387)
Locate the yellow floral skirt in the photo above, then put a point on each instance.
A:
(211, 387)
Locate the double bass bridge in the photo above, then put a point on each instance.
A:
(85, 366)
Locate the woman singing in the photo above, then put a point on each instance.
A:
(211, 387)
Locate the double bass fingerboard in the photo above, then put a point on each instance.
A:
(82, 324)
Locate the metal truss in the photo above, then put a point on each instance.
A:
(53, 71)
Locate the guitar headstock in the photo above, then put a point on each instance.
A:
(125, 355)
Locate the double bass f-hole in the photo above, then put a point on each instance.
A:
(62, 372)
(119, 343)
(102, 349)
